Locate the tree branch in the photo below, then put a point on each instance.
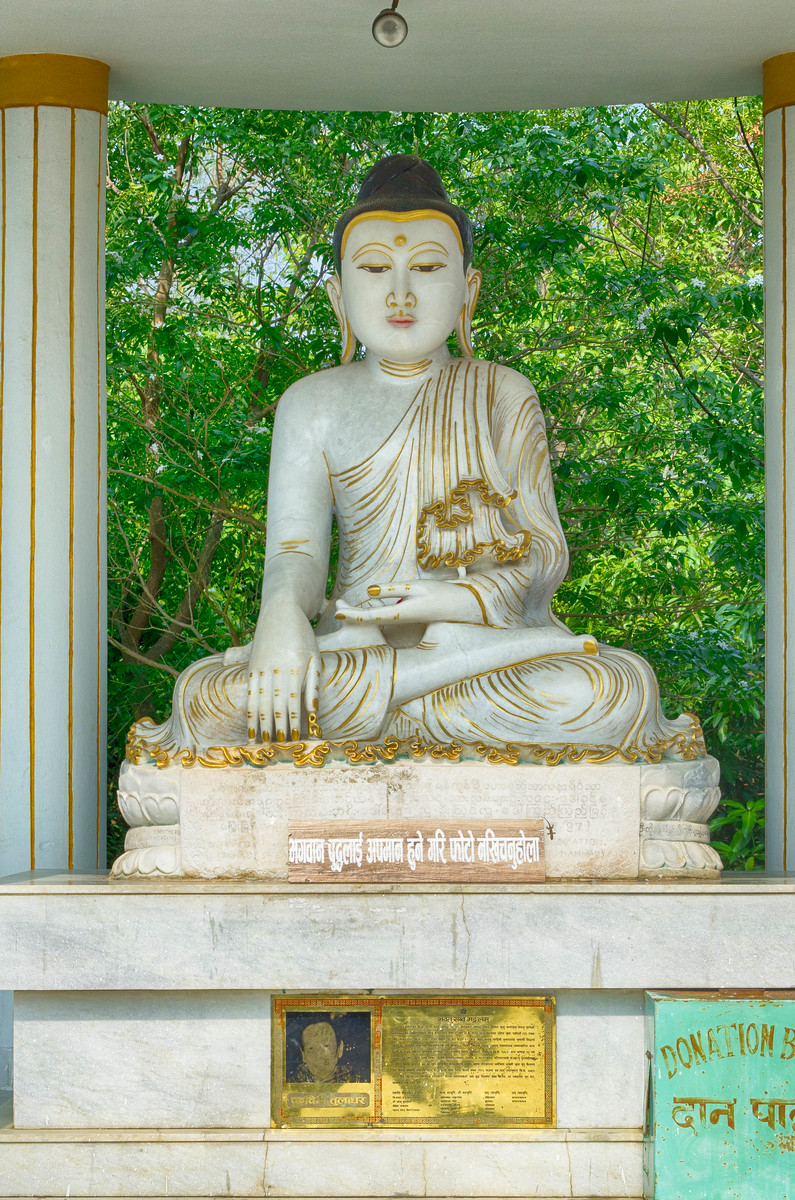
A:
(262, 370)
(748, 145)
(158, 558)
(201, 577)
(652, 193)
(708, 162)
(143, 117)
(135, 656)
(755, 379)
(666, 350)
(182, 158)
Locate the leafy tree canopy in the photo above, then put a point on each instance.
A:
(621, 252)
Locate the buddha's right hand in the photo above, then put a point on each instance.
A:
(284, 675)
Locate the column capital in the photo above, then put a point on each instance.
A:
(60, 80)
(778, 82)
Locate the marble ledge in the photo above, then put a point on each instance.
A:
(8, 1133)
(64, 935)
(25, 1136)
(367, 1170)
(44, 882)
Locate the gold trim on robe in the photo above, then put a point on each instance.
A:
(462, 479)
(463, 492)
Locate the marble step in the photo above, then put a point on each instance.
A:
(83, 932)
(130, 1164)
(119, 1164)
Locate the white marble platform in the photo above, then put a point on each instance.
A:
(609, 820)
(136, 1163)
(142, 1009)
(161, 1164)
(86, 933)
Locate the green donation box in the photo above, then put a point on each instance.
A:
(721, 1102)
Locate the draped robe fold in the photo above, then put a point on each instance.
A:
(460, 490)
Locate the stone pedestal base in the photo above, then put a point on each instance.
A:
(142, 1035)
(610, 821)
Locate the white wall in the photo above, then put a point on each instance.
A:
(6, 1011)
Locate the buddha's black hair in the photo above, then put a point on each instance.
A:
(403, 183)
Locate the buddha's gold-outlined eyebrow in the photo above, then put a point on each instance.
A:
(429, 245)
(381, 247)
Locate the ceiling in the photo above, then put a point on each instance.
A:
(464, 55)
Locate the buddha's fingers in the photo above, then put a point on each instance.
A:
(294, 704)
(579, 644)
(281, 711)
(347, 612)
(251, 713)
(259, 706)
(379, 615)
(312, 694)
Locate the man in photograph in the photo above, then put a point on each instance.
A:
(323, 1056)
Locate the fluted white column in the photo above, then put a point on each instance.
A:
(52, 497)
(779, 108)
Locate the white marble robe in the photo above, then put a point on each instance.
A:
(462, 481)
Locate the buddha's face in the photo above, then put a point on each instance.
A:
(403, 284)
(320, 1051)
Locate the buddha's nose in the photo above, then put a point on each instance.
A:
(401, 298)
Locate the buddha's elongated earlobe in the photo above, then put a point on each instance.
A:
(334, 293)
(463, 332)
(463, 328)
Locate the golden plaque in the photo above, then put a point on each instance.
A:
(414, 1061)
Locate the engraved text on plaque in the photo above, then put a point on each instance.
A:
(432, 1061)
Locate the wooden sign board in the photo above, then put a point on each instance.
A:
(402, 851)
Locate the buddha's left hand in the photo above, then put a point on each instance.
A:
(419, 602)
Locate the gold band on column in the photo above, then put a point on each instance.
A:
(59, 80)
(778, 82)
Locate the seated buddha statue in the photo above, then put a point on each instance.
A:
(436, 469)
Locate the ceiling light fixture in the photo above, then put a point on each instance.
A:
(389, 28)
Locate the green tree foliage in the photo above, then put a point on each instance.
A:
(621, 251)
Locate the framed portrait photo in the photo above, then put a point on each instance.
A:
(322, 1061)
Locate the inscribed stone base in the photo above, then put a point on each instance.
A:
(148, 1004)
(603, 821)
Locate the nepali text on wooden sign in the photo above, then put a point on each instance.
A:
(402, 851)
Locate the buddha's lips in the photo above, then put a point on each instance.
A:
(401, 321)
